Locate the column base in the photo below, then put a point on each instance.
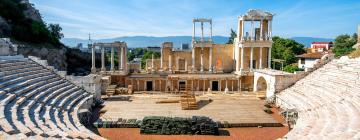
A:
(93, 70)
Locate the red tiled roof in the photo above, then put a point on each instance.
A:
(316, 55)
(322, 43)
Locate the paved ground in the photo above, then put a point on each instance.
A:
(252, 133)
(234, 108)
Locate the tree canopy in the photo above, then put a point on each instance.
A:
(26, 29)
(286, 49)
(148, 55)
(343, 44)
(232, 36)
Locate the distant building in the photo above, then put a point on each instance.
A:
(153, 48)
(79, 46)
(308, 60)
(185, 46)
(321, 46)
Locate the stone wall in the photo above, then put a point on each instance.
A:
(55, 57)
(91, 83)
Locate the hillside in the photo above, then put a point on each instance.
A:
(142, 41)
(306, 41)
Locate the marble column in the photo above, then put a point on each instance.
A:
(121, 62)
(237, 51)
(202, 32)
(202, 60)
(252, 35)
(103, 59)
(119, 58)
(138, 85)
(186, 65)
(261, 58)
(270, 30)
(193, 58)
(242, 59)
(170, 63)
(242, 30)
(210, 30)
(144, 85)
(193, 37)
(112, 59)
(93, 68)
(232, 85)
(251, 58)
(152, 63)
(261, 29)
(161, 59)
(269, 58)
(210, 59)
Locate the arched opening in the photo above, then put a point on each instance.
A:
(261, 84)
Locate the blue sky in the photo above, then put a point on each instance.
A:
(115, 18)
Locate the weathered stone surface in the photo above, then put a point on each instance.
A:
(55, 57)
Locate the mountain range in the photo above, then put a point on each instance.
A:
(144, 41)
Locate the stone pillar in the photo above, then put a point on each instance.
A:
(261, 29)
(232, 85)
(270, 30)
(112, 59)
(119, 58)
(202, 32)
(144, 85)
(93, 68)
(204, 86)
(186, 65)
(103, 59)
(201, 61)
(269, 58)
(124, 62)
(251, 58)
(220, 84)
(138, 85)
(210, 59)
(242, 58)
(252, 36)
(239, 35)
(237, 49)
(152, 63)
(193, 59)
(239, 86)
(193, 37)
(161, 59)
(154, 85)
(170, 63)
(210, 31)
(261, 58)
(242, 30)
(121, 62)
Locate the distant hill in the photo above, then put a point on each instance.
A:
(306, 41)
(143, 41)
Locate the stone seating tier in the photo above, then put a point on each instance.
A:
(36, 103)
(327, 101)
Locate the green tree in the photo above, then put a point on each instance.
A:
(232, 36)
(291, 68)
(148, 55)
(343, 44)
(286, 49)
(55, 31)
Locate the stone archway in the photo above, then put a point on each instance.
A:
(261, 84)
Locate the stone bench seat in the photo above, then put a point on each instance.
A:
(36, 103)
(22, 79)
(16, 67)
(25, 83)
(13, 76)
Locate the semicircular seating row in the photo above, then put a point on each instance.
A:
(36, 103)
(327, 101)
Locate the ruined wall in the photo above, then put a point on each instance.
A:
(55, 57)
(223, 55)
